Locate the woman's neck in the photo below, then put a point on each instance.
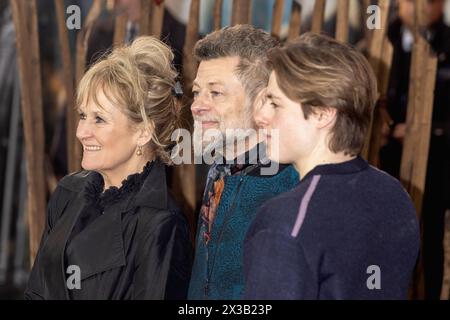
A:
(114, 178)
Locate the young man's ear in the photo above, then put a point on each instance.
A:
(325, 117)
(145, 133)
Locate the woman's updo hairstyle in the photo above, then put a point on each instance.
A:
(139, 79)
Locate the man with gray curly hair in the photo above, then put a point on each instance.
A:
(231, 77)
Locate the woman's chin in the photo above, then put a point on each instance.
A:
(87, 165)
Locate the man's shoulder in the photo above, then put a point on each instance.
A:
(286, 198)
(278, 212)
(275, 171)
(265, 188)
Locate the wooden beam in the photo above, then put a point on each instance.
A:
(379, 54)
(120, 28)
(157, 18)
(418, 126)
(218, 14)
(277, 18)
(367, 32)
(27, 40)
(94, 12)
(67, 70)
(110, 5)
(75, 154)
(295, 22)
(144, 20)
(189, 63)
(83, 38)
(343, 7)
(318, 15)
(381, 116)
(378, 35)
(419, 114)
(184, 175)
(241, 12)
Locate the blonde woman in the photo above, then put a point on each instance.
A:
(113, 231)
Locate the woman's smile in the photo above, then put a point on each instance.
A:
(92, 148)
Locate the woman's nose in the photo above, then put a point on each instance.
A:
(83, 130)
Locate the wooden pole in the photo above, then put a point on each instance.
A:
(418, 126)
(241, 12)
(83, 38)
(218, 14)
(184, 175)
(120, 28)
(295, 21)
(318, 15)
(342, 20)
(419, 113)
(277, 18)
(380, 114)
(157, 18)
(378, 36)
(110, 5)
(379, 54)
(75, 154)
(144, 21)
(71, 119)
(189, 63)
(26, 27)
(367, 32)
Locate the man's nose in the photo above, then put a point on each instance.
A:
(200, 105)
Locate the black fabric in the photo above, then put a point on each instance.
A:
(98, 199)
(139, 248)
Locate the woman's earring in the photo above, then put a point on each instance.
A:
(139, 151)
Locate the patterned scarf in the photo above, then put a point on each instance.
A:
(215, 183)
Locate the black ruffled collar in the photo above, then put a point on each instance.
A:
(94, 193)
(97, 200)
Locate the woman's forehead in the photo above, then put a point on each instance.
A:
(99, 100)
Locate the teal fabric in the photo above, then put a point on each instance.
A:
(217, 271)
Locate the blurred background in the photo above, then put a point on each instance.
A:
(42, 59)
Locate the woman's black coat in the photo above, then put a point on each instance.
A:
(138, 249)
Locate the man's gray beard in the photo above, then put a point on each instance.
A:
(220, 146)
(225, 144)
(202, 146)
